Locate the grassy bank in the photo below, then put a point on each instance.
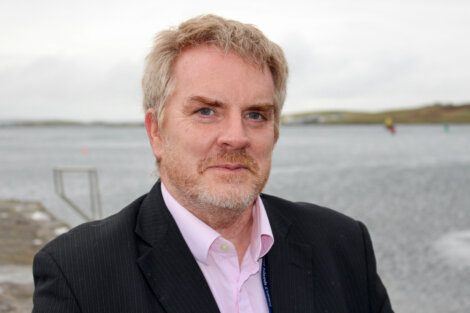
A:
(438, 113)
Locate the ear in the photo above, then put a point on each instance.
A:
(153, 133)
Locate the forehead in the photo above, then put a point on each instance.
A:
(212, 54)
(209, 69)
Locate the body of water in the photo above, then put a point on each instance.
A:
(412, 190)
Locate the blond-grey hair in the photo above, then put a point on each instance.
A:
(245, 40)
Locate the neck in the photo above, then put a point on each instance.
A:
(239, 232)
(234, 224)
(234, 227)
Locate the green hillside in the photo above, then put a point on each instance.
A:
(437, 113)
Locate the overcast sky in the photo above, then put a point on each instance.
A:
(83, 60)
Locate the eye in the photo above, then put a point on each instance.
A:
(257, 116)
(206, 111)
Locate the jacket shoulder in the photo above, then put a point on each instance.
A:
(105, 234)
(308, 220)
(305, 211)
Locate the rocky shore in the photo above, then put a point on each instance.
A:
(24, 228)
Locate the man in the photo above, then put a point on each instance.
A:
(205, 239)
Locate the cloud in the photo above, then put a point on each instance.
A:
(49, 87)
(328, 76)
(84, 59)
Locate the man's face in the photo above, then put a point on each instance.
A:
(217, 135)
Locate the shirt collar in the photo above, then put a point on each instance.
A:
(262, 237)
(199, 236)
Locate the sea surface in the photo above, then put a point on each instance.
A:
(411, 189)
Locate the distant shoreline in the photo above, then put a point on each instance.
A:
(432, 114)
(286, 124)
(54, 123)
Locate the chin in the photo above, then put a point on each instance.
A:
(236, 192)
(232, 199)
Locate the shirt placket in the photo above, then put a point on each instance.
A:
(226, 257)
(249, 268)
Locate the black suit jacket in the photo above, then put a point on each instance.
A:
(138, 261)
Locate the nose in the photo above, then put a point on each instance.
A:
(233, 134)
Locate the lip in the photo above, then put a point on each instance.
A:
(229, 167)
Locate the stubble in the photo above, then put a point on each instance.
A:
(218, 199)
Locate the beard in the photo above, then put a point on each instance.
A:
(217, 194)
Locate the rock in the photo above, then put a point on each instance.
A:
(25, 227)
(16, 298)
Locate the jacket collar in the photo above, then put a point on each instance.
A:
(176, 280)
(166, 261)
(289, 262)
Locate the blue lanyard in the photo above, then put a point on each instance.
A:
(264, 280)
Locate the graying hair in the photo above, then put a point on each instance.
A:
(245, 40)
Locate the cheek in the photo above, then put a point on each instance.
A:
(188, 151)
(200, 144)
(263, 157)
(264, 145)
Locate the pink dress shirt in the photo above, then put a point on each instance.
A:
(236, 289)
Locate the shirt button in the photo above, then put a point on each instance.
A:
(224, 247)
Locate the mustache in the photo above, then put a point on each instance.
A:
(239, 157)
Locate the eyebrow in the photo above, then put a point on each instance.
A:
(217, 103)
(206, 101)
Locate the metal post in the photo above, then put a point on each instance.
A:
(95, 201)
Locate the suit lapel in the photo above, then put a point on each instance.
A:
(289, 266)
(167, 263)
(179, 285)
